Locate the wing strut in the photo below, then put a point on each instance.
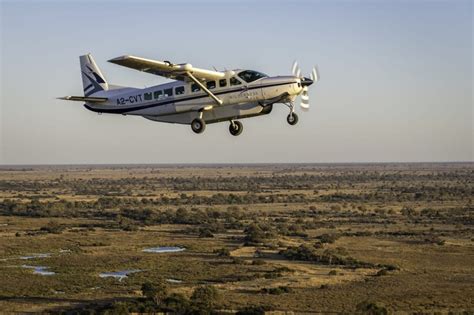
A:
(211, 95)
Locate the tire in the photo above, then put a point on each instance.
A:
(236, 128)
(198, 125)
(292, 119)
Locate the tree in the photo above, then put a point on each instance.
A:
(177, 303)
(204, 299)
(156, 292)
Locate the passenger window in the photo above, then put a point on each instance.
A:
(195, 87)
(222, 82)
(179, 90)
(234, 81)
(148, 96)
(211, 84)
(168, 92)
(157, 94)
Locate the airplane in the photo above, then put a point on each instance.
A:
(197, 96)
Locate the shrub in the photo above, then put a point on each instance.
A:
(390, 267)
(254, 310)
(272, 275)
(223, 252)
(371, 308)
(156, 292)
(177, 303)
(258, 262)
(204, 298)
(53, 227)
(276, 291)
(327, 238)
(204, 232)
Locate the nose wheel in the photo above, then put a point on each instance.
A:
(235, 128)
(292, 119)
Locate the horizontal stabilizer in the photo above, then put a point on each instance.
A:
(83, 99)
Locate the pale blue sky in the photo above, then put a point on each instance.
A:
(396, 79)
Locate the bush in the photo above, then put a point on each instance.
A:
(53, 227)
(156, 292)
(371, 308)
(205, 233)
(327, 238)
(390, 267)
(332, 273)
(254, 310)
(258, 262)
(223, 252)
(277, 291)
(258, 233)
(272, 275)
(204, 298)
(177, 303)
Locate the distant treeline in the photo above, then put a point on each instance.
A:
(401, 182)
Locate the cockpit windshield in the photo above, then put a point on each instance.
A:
(250, 75)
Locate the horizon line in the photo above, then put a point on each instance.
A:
(231, 163)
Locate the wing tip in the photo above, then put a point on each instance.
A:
(120, 58)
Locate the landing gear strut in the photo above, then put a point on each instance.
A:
(235, 128)
(198, 125)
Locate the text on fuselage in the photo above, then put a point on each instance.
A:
(129, 100)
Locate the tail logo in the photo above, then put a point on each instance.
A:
(95, 84)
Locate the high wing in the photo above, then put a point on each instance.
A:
(167, 69)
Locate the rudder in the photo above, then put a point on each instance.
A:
(93, 80)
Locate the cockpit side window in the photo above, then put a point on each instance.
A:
(234, 81)
(250, 75)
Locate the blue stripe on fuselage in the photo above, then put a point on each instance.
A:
(140, 107)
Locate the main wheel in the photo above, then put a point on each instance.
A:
(236, 128)
(292, 119)
(198, 125)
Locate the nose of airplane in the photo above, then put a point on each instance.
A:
(306, 82)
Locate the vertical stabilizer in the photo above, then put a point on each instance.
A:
(93, 80)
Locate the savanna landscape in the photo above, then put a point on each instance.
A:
(246, 239)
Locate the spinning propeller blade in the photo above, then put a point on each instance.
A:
(314, 74)
(305, 99)
(305, 82)
(296, 69)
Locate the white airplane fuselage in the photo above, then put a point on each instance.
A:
(239, 99)
(197, 96)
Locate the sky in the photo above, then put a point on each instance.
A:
(395, 85)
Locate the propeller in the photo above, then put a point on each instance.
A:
(305, 83)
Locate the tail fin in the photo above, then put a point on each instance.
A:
(93, 80)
